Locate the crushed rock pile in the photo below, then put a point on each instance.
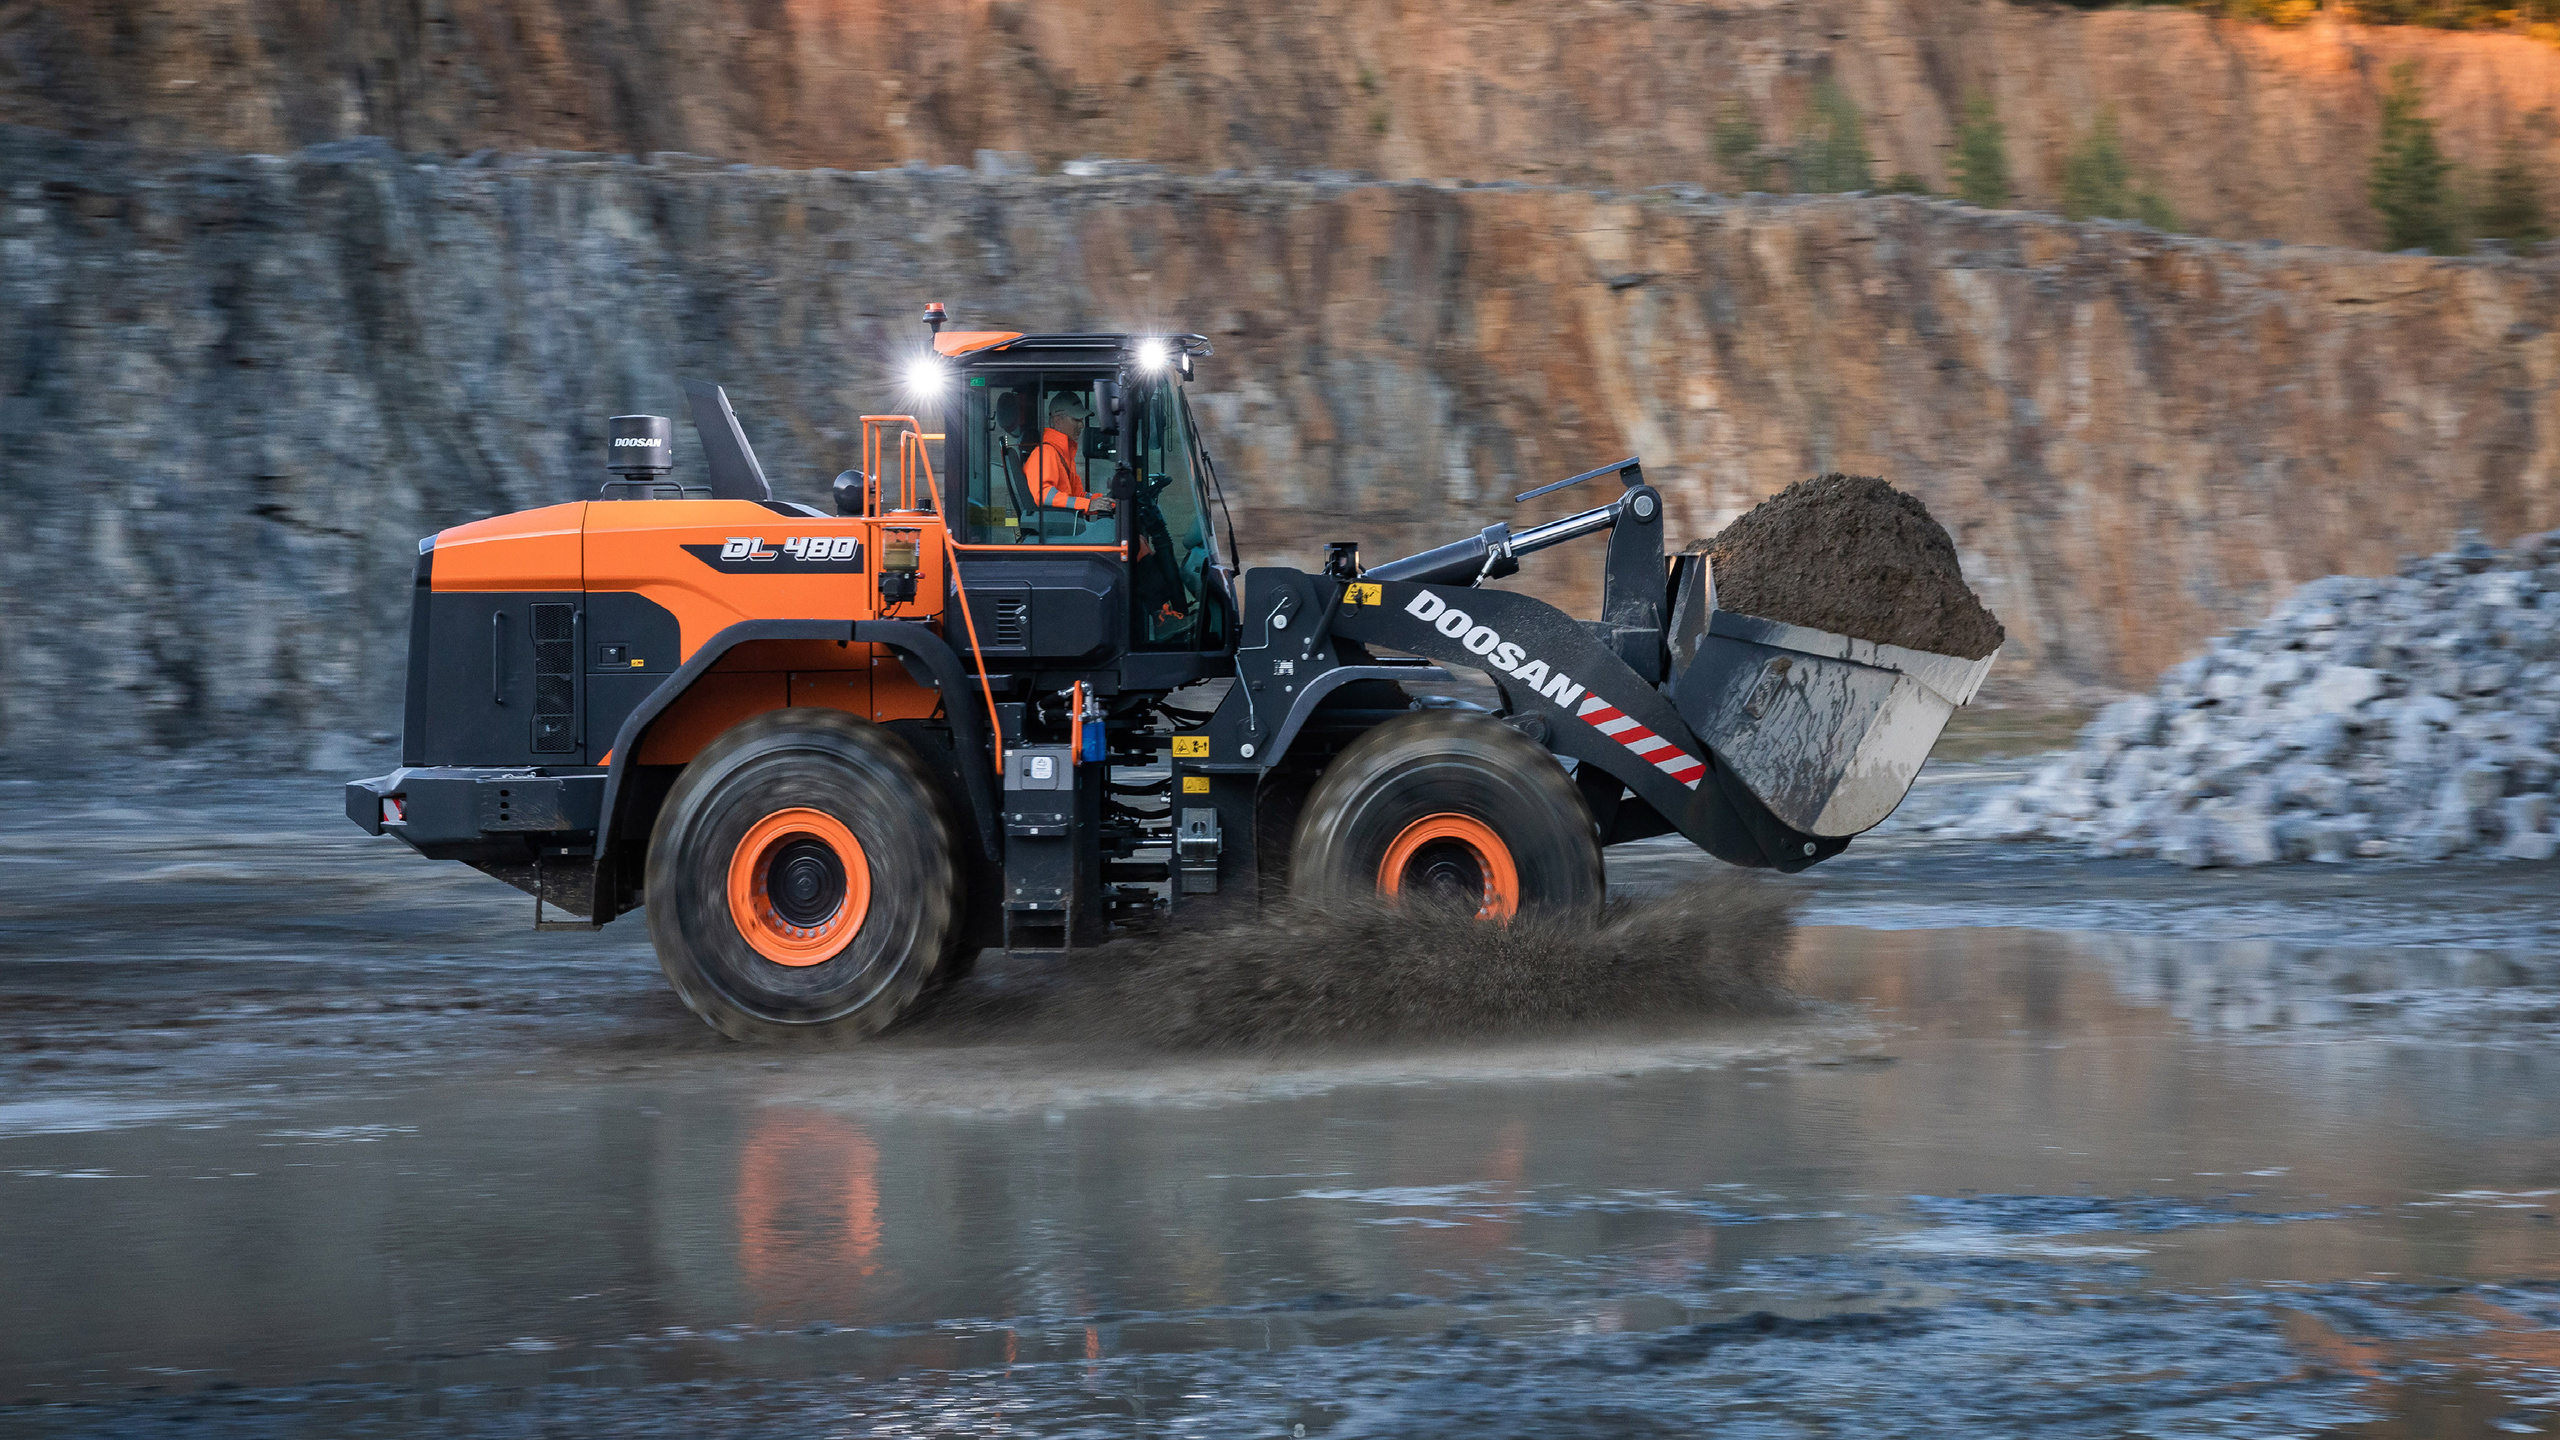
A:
(1852, 555)
(2412, 717)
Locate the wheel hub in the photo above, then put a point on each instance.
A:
(1455, 856)
(799, 886)
(805, 882)
(1445, 870)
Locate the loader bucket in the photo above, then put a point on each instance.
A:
(1825, 731)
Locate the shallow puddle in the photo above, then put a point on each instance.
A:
(2052, 1183)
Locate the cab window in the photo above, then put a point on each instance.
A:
(1043, 458)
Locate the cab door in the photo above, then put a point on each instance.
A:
(1047, 584)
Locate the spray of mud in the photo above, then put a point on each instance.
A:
(1363, 975)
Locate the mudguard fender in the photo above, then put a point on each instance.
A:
(912, 641)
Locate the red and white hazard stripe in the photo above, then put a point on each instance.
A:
(1664, 756)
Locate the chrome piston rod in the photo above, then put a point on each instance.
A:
(1571, 527)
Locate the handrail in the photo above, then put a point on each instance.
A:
(871, 460)
(912, 440)
(911, 453)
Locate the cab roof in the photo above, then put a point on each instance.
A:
(1096, 345)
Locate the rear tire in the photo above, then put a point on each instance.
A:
(1455, 804)
(802, 878)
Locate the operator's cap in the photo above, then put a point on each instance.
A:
(1069, 402)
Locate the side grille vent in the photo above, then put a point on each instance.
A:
(1012, 629)
(555, 686)
(555, 639)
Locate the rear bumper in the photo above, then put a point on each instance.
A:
(442, 809)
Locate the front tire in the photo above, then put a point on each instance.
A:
(1457, 806)
(802, 878)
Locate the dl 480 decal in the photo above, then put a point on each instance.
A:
(796, 555)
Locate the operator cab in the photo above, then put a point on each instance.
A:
(1056, 576)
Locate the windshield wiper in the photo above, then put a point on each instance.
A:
(1209, 467)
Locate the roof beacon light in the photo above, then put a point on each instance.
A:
(1153, 355)
(935, 317)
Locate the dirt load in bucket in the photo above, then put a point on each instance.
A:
(1852, 555)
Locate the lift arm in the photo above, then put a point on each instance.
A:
(1590, 704)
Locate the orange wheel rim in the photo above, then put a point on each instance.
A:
(1451, 850)
(799, 886)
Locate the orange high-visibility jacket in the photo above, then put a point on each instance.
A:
(1051, 469)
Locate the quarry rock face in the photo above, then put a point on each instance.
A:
(2412, 716)
(238, 390)
(2248, 131)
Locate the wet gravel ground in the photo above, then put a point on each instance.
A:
(302, 1135)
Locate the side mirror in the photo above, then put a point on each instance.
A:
(848, 492)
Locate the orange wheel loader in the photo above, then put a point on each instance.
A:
(836, 756)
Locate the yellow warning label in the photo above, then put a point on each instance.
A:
(1195, 784)
(1361, 592)
(1190, 747)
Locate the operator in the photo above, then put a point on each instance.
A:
(1056, 479)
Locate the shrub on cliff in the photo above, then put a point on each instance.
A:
(1831, 155)
(2511, 208)
(2444, 14)
(2410, 185)
(1739, 148)
(1981, 168)
(2283, 14)
(2098, 182)
(2501, 15)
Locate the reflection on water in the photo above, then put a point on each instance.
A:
(2048, 1118)
(808, 1212)
(2248, 986)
